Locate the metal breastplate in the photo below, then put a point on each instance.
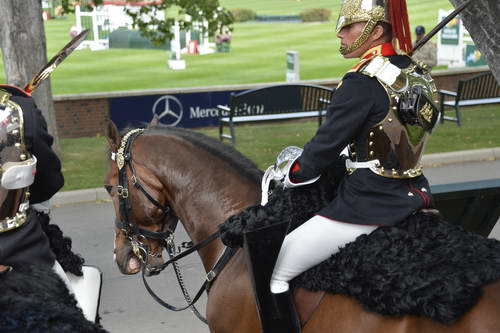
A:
(398, 141)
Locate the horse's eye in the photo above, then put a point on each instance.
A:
(108, 188)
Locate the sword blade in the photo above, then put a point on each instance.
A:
(55, 61)
(441, 24)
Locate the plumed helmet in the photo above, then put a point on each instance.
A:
(17, 166)
(354, 11)
(393, 12)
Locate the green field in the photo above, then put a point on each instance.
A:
(84, 159)
(258, 53)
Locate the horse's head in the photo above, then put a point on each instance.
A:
(17, 166)
(144, 219)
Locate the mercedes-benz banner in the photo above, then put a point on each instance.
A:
(182, 110)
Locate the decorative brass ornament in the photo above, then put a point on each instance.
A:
(19, 219)
(427, 112)
(120, 156)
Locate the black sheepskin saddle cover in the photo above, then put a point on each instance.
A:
(34, 299)
(61, 246)
(424, 266)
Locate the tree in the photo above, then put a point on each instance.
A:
(24, 51)
(183, 12)
(481, 19)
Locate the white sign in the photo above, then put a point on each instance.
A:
(452, 42)
(292, 66)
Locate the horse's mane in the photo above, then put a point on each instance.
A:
(221, 150)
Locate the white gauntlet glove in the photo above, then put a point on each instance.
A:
(280, 172)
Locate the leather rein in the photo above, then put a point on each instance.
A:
(123, 158)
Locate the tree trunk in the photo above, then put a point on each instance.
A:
(24, 50)
(481, 18)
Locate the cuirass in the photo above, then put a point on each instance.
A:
(398, 141)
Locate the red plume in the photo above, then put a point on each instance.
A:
(400, 25)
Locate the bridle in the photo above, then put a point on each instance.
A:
(131, 229)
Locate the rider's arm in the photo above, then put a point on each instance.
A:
(348, 112)
(48, 178)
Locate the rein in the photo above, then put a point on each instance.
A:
(132, 231)
(211, 275)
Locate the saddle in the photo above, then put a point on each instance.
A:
(390, 270)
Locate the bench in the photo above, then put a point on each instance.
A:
(272, 103)
(476, 90)
(473, 205)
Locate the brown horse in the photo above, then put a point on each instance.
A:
(203, 182)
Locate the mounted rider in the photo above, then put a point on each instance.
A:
(31, 175)
(383, 111)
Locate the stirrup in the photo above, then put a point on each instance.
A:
(261, 248)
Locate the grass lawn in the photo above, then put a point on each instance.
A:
(257, 52)
(84, 160)
(257, 55)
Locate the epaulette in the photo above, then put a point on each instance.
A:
(387, 73)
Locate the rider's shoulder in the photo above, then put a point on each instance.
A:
(14, 91)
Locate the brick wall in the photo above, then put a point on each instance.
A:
(86, 115)
(81, 117)
(448, 80)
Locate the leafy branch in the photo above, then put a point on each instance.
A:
(160, 30)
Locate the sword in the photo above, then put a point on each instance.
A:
(55, 61)
(441, 24)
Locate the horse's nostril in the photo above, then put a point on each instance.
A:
(133, 264)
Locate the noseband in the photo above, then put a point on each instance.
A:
(133, 232)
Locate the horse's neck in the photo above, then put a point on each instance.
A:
(214, 193)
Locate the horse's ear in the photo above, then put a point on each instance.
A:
(154, 122)
(113, 135)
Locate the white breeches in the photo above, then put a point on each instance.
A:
(311, 243)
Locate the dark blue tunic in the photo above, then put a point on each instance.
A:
(363, 196)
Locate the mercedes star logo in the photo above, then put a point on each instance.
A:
(169, 110)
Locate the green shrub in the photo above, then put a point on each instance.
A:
(243, 15)
(315, 15)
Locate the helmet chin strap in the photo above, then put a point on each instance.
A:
(365, 34)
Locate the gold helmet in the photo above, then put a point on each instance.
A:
(372, 12)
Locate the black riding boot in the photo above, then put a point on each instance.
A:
(276, 311)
